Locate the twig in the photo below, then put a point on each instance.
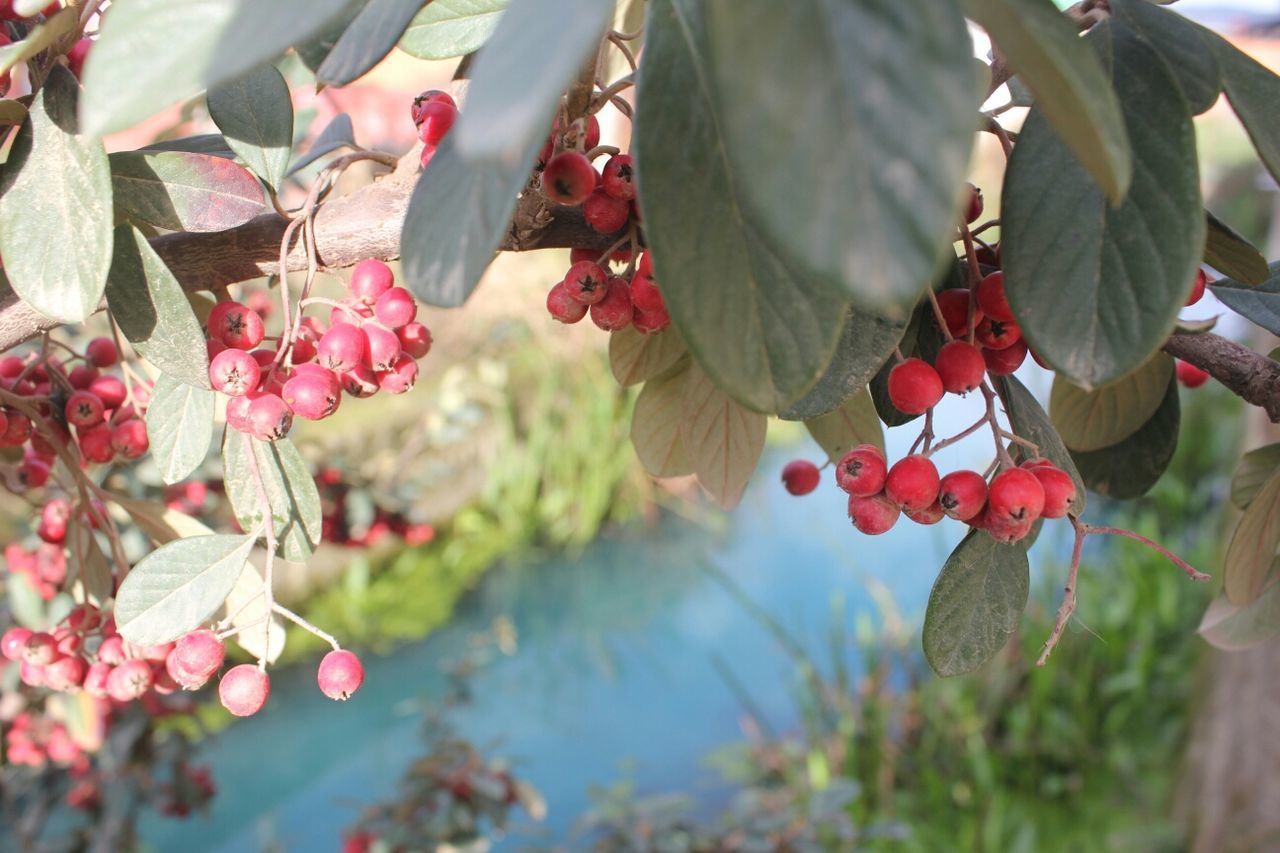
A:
(303, 623)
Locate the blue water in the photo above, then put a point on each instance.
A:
(613, 675)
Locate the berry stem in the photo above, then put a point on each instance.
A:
(973, 271)
(1068, 605)
(269, 531)
(303, 623)
(960, 436)
(619, 41)
(938, 316)
(323, 300)
(1002, 452)
(611, 91)
(1017, 439)
(1190, 570)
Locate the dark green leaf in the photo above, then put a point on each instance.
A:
(1097, 288)
(1233, 255)
(635, 357)
(181, 191)
(449, 28)
(177, 587)
(854, 422)
(1070, 85)
(55, 208)
(1252, 472)
(290, 488)
(723, 440)
(975, 604)
(1253, 546)
(541, 43)
(152, 311)
(179, 426)
(1031, 421)
(338, 133)
(153, 53)
(1227, 626)
(1129, 469)
(314, 52)
(865, 345)
(655, 426)
(255, 114)
(1260, 304)
(367, 39)
(891, 83)
(1180, 45)
(1253, 91)
(202, 143)
(1092, 420)
(764, 329)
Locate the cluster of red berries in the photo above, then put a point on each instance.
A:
(614, 301)
(336, 524)
(44, 567)
(433, 113)
(34, 740)
(245, 688)
(372, 343)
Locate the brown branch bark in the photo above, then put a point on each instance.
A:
(1253, 377)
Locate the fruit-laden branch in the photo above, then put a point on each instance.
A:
(1252, 377)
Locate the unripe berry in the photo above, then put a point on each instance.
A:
(102, 352)
(1190, 375)
(587, 282)
(569, 178)
(914, 386)
(435, 118)
(1014, 496)
(973, 204)
(370, 279)
(604, 213)
(236, 325)
(800, 476)
(234, 372)
(997, 334)
(615, 311)
(244, 690)
(874, 514)
(359, 382)
(650, 322)
(82, 376)
(395, 308)
(991, 298)
(84, 409)
(269, 418)
(862, 471)
(342, 348)
(195, 658)
(130, 680)
(313, 392)
(912, 482)
(340, 675)
(415, 339)
(1059, 489)
(618, 177)
(1002, 362)
(13, 642)
(110, 390)
(1197, 287)
(645, 294)
(931, 514)
(400, 378)
(962, 494)
(563, 307)
(382, 347)
(960, 366)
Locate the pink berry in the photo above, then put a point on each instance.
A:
(342, 347)
(96, 678)
(401, 377)
(129, 439)
(395, 308)
(84, 409)
(13, 642)
(862, 471)
(428, 97)
(244, 690)
(960, 366)
(234, 372)
(110, 390)
(359, 382)
(313, 392)
(370, 279)
(962, 494)
(800, 477)
(568, 178)
(102, 352)
(931, 514)
(351, 310)
(587, 282)
(34, 472)
(41, 649)
(435, 118)
(53, 521)
(195, 658)
(618, 177)
(66, 674)
(615, 311)
(415, 339)
(912, 482)
(604, 213)
(237, 326)
(1014, 496)
(563, 307)
(238, 412)
(427, 155)
(269, 417)
(383, 347)
(874, 514)
(340, 675)
(111, 651)
(645, 294)
(130, 680)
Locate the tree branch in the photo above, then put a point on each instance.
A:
(1252, 377)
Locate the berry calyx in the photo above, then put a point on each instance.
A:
(244, 690)
(800, 476)
(1014, 496)
(618, 177)
(340, 674)
(861, 471)
(997, 334)
(236, 326)
(84, 409)
(873, 514)
(960, 366)
(587, 282)
(568, 178)
(912, 483)
(914, 386)
(234, 372)
(962, 494)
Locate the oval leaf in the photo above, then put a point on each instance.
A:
(184, 191)
(179, 427)
(162, 523)
(245, 607)
(1253, 470)
(338, 133)
(854, 423)
(152, 311)
(201, 143)
(1129, 469)
(975, 604)
(178, 586)
(1092, 420)
(1253, 90)
(1253, 546)
(724, 440)
(866, 344)
(1179, 43)
(655, 426)
(55, 208)
(366, 40)
(290, 488)
(255, 114)
(635, 357)
(449, 28)
(1229, 253)
(1259, 305)
(1031, 421)
(1227, 626)
(38, 38)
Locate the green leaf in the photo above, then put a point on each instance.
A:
(1129, 469)
(1070, 85)
(1031, 421)
(12, 111)
(255, 114)
(151, 54)
(449, 28)
(635, 357)
(976, 603)
(655, 426)
(55, 209)
(1096, 288)
(291, 490)
(1234, 628)
(865, 346)
(762, 328)
(162, 523)
(40, 37)
(338, 133)
(1260, 304)
(541, 43)
(366, 40)
(179, 426)
(891, 83)
(724, 440)
(178, 586)
(854, 423)
(201, 143)
(152, 311)
(1179, 43)
(1253, 91)
(1252, 472)
(1253, 546)
(1231, 254)
(1092, 420)
(182, 191)
(88, 565)
(314, 52)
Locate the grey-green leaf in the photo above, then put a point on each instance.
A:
(635, 357)
(891, 83)
(975, 604)
(1260, 304)
(865, 345)
(448, 28)
(200, 143)
(290, 488)
(255, 114)
(152, 310)
(179, 426)
(55, 208)
(1070, 85)
(1254, 544)
(184, 191)
(338, 133)
(1228, 626)
(1253, 90)
(366, 40)
(1129, 469)
(1097, 288)
(1031, 421)
(1252, 471)
(1231, 254)
(178, 587)
(1180, 44)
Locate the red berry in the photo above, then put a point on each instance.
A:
(563, 307)
(991, 298)
(914, 386)
(1190, 375)
(84, 409)
(800, 477)
(102, 352)
(434, 120)
(130, 680)
(17, 429)
(111, 651)
(953, 304)
(615, 311)
(82, 376)
(359, 382)
(415, 339)
(95, 680)
(618, 177)
(129, 438)
(234, 372)
(427, 97)
(650, 322)
(78, 53)
(31, 674)
(401, 377)
(604, 213)
(370, 279)
(34, 472)
(313, 392)
(569, 178)
(238, 412)
(13, 642)
(1005, 531)
(973, 204)
(1002, 362)
(1059, 489)
(84, 617)
(1197, 287)
(395, 308)
(862, 471)
(66, 674)
(382, 347)
(195, 658)
(874, 514)
(340, 674)
(962, 494)
(342, 347)
(960, 366)
(997, 334)
(587, 282)
(931, 514)
(244, 690)
(645, 294)
(912, 482)
(110, 390)
(95, 444)
(236, 326)
(352, 312)
(269, 417)
(1015, 496)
